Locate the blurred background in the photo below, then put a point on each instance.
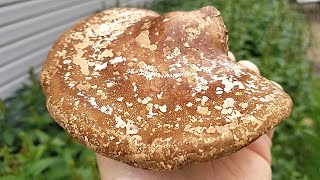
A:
(281, 36)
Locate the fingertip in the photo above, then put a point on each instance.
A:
(231, 56)
(270, 133)
(262, 146)
(277, 84)
(249, 65)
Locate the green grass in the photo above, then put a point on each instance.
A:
(268, 32)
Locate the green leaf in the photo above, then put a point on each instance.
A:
(38, 167)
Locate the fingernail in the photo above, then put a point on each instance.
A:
(277, 84)
(231, 56)
(249, 65)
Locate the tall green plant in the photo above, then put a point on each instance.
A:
(33, 146)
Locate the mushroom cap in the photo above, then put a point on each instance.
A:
(157, 91)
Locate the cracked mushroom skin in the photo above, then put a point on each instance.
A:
(157, 91)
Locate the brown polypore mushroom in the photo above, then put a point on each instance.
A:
(157, 91)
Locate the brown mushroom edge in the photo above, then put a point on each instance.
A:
(157, 91)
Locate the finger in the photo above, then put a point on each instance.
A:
(231, 56)
(112, 169)
(262, 147)
(270, 133)
(249, 65)
(277, 84)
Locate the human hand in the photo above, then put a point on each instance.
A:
(251, 162)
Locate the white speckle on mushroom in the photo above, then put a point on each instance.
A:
(94, 87)
(118, 59)
(264, 100)
(149, 108)
(204, 100)
(229, 102)
(106, 109)
(76, 103)
(135, 88)
(99, 67)
(130, 64)
(205, 88)
(131, 128)
(129, 104)
(243, 105)
(239, 84)
(238, 114)
(189, 104)
(120, 99)
(71, 84)
(251, 118)
(93, 102)
(224, 111)
(228, 85)
(146, 100)
(80, 94)
(67, 61)
(177, 108)
(120, 140)
(202, 110)
(143, 40)
(163, 108)
(198, 88)
(119, 122)
(166, 19)
(159, 96)
(110, 84)
(219, 92)
(67, 74)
